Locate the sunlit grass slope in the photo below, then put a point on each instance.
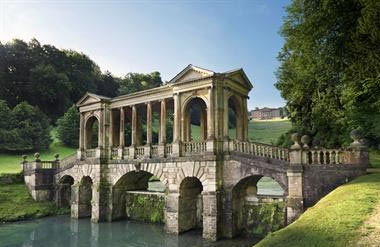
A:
(10, 163)
(335, 221)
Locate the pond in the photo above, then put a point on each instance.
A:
(64, 231)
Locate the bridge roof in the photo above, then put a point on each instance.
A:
(192, 72)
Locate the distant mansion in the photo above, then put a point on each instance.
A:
(267, 113)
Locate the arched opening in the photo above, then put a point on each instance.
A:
(92, 133)
(138, 195)
(235, 118)
(85, 197)
(267, 186)
(190, 206)
(253, 199)
(195, 121)
(63, 192)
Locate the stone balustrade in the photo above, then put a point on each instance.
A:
(194, 147)
(90, 153)
(323, 156)
(259, 149)
(139, 152)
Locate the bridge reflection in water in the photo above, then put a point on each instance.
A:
(208, 176)
(61, 231)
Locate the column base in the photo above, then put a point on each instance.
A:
(176, 149)
(132, 152)
(294, 208)
(147, 153)
(120, 154)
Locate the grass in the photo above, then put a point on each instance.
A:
(374, 158)
(267, 131)
(335, 220)
(16, 204)
(10, 163)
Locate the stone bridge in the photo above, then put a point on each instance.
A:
(192, 135)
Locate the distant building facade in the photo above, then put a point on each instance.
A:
(267, 113)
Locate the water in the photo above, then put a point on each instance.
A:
(62, 231)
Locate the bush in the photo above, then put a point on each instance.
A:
(68, 127)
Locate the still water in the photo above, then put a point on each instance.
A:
(62, 231)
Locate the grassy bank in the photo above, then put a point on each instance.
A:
(336, 220)
(267, 131)
(16, 204)
(10, 163)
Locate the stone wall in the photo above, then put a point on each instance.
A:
(264, 217)
(145, 206)
(319, 180)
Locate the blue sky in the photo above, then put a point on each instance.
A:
(165, 36)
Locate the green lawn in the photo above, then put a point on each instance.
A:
(17, 204)
(267, 131)
(10, 163)
(335, 220)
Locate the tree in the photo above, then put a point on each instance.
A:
(324, 73)
(68, 127)
(26, 128)
(134, 82)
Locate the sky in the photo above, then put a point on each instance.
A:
(165, 36)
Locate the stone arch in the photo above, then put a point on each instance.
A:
(155, 169)
(63, 191)
(194, 110)
(234, 105)
(133, 180)
(190, 204)
(192, 169)
(90, 123)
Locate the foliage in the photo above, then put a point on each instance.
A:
(325, 74)
(49, 78)
(335, 220)
(134, 82)
(68, 127)
(23, 128)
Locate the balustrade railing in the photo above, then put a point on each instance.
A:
(323, 156)
(154, 150)
(168, 149)
(260, 149)
(68, 161)
(46, 165)
(126, 152)
(114, 153)
(139, 151)
(194, 147)
(90, 153)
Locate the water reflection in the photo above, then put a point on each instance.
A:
(63, 231)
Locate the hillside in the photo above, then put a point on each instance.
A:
(345, 217)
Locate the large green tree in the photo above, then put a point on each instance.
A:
(50, 78)
(134, 82)
(330, 67)
(68, 127)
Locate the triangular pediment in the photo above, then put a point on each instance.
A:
(90, 98)
(190, 73)
(239, 76)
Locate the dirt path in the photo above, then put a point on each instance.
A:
(370, 231)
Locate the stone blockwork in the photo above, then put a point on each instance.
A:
(207, 182)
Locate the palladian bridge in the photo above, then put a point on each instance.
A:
(182, 134)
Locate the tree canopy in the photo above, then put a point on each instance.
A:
(330, 68)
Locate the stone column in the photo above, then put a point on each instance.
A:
(162, 132)
(148, 123)
(177, 126)
(210, 121)
(171, 212)
(210, 215)
(101, 199)
(80, 153)
(121, 134)
(148, 129)
(245, 118)
(134, 133)
(75, 201)
(294, 200)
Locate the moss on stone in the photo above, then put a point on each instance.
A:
(147, 207)
(264, 218)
